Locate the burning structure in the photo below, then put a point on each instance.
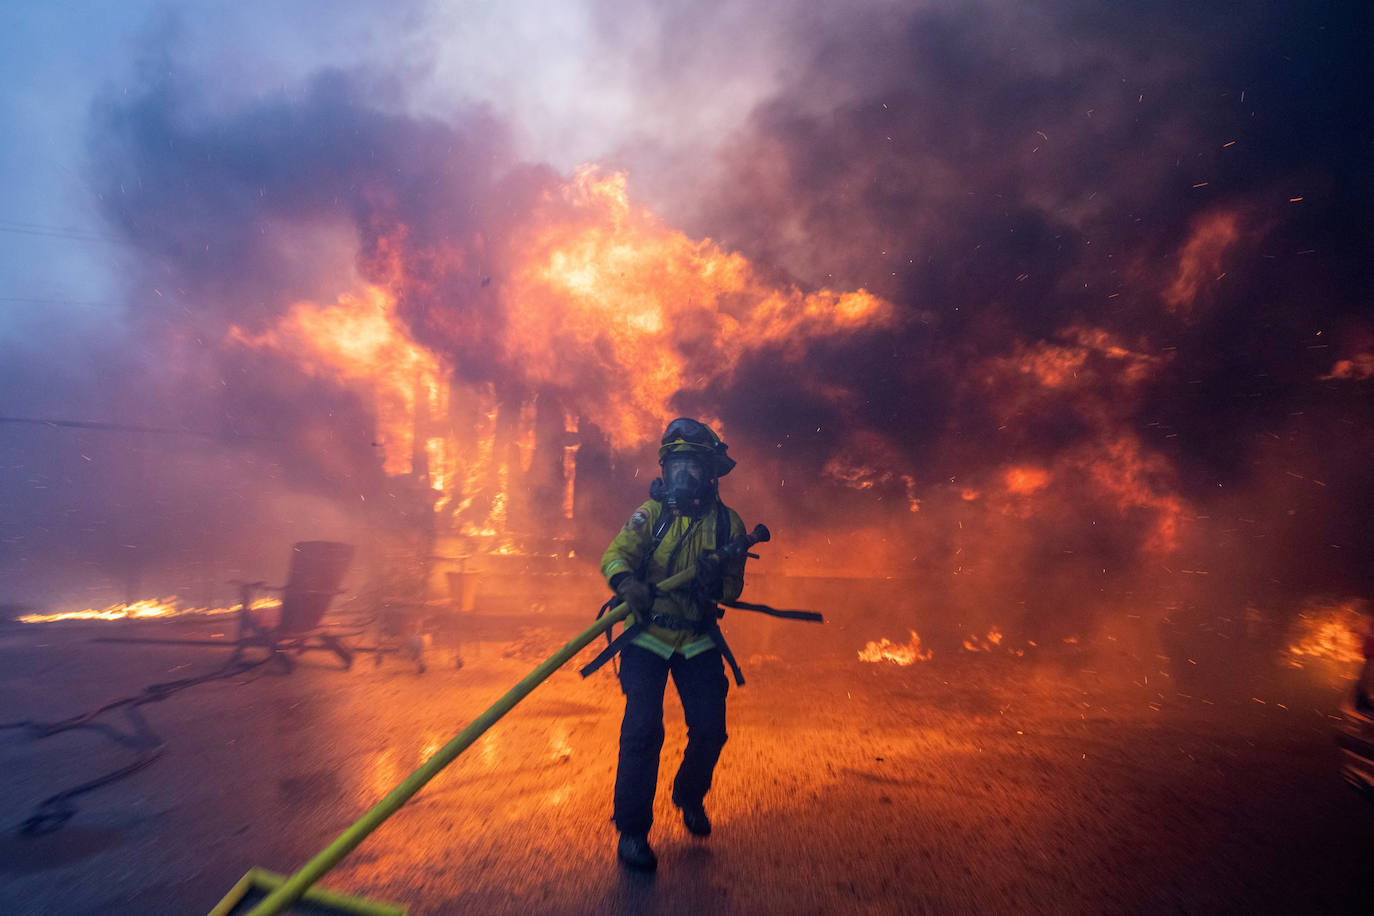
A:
(1040, 331)
(1060, 371)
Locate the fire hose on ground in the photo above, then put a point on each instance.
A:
(286, 890)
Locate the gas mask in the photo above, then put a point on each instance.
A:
(686, 485)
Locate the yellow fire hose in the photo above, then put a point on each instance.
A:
(297, 885)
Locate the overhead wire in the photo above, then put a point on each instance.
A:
(17, 227)
(36, 300)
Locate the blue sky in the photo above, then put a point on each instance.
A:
(577, 82)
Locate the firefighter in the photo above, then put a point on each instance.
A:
(673, 633)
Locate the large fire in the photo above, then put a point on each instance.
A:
(604, 316)
(606, 291)
(491, 363)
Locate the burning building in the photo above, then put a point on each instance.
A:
(1063, 366)
(1041, 333)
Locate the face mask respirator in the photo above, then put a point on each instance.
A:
(686, 488)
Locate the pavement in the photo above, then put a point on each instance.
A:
(969, 783)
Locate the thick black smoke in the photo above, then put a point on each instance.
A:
(1008, 174)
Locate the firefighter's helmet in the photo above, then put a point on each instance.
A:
(687, 436)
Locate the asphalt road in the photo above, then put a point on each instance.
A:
(972, 782)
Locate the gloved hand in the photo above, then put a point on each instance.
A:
(708, 583)
(638, 595)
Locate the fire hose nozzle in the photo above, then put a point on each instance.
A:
(739, 547)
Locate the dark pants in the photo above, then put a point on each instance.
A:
(702, 685)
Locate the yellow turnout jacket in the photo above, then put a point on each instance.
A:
(685, 540)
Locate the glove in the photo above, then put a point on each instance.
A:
(708, 583)
(638, 595)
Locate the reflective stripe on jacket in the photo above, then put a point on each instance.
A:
(683, 544)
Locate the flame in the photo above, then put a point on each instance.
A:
(1330, 632)
(607, 294)
(991, 642)
(440, 464)
(360, 342)
(144, 609)
(885, 650)
(601, 308)
(986, 644)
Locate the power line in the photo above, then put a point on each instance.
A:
(70, 236)
(131, 428)
(86, 304)
(19, 227)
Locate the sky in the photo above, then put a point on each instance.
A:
(1119, 252)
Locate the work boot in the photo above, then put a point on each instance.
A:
(634, 850)
(694, 817)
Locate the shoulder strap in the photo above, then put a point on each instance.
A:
(660, 531)
(722, 524)
(665, 521)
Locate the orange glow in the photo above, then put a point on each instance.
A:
(885, 650)
(1083, 360)
(1357, 368)
(1200, 260)
(992, 641)
(1329, 632)
(1097, 374)
(359, 341)
(605, 281)
(440, 468)
(1054, 367)
(603, 310)
(1135, 479)
(1023, 481)
(869, 462)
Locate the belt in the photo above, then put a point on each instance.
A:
(672, 622)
